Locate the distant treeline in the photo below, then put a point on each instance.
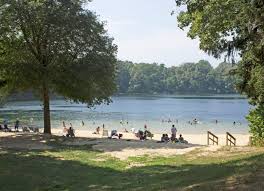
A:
(188, 78)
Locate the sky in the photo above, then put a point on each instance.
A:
(145, 31)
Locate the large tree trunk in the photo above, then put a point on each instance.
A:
(46, 104)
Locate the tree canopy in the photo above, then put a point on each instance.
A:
(229, 27)
(200, 78)
(56, 46)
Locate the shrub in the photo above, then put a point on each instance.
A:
(256, 125)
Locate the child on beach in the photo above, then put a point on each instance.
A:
(181, 139)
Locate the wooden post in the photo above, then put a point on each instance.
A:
(230, 139)
(226, 139)
(212, 138)
(207, 137)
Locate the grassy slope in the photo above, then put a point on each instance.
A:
(80, 168)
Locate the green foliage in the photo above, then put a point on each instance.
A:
(256, 124)
(200, 78)
(59, 43)
(56, 46)
(229, 27)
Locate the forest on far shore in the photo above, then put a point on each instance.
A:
(152, 79)
(188, 78)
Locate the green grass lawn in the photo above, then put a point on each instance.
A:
(80, 168)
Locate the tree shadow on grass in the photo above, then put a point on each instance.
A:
(29, 170)
(41, 141)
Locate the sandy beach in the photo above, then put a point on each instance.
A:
(198, 139)
(128, 146)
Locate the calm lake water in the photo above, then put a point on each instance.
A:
(135, 112)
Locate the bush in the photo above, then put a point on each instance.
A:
(256, 125)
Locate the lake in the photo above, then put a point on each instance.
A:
(157, 112)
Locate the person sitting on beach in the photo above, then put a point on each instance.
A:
(181, 139)
(165, 138)
(5, 124)
(97, 131)
(6, 129)
(141, 136)
(65, 131)
(173, 138)
(70, 132)
(148, 134)
(115, 135)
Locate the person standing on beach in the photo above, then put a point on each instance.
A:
(173, 132)
(16, 125)
(63, 124)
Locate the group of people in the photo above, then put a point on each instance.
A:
(68, 132)
(165, 137)
(141, 134)
(113, 135)
(169, 121)
(5, 127)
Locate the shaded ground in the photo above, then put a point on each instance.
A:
(121, 149)
(66, 167)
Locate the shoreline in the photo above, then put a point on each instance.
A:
(197, 139)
